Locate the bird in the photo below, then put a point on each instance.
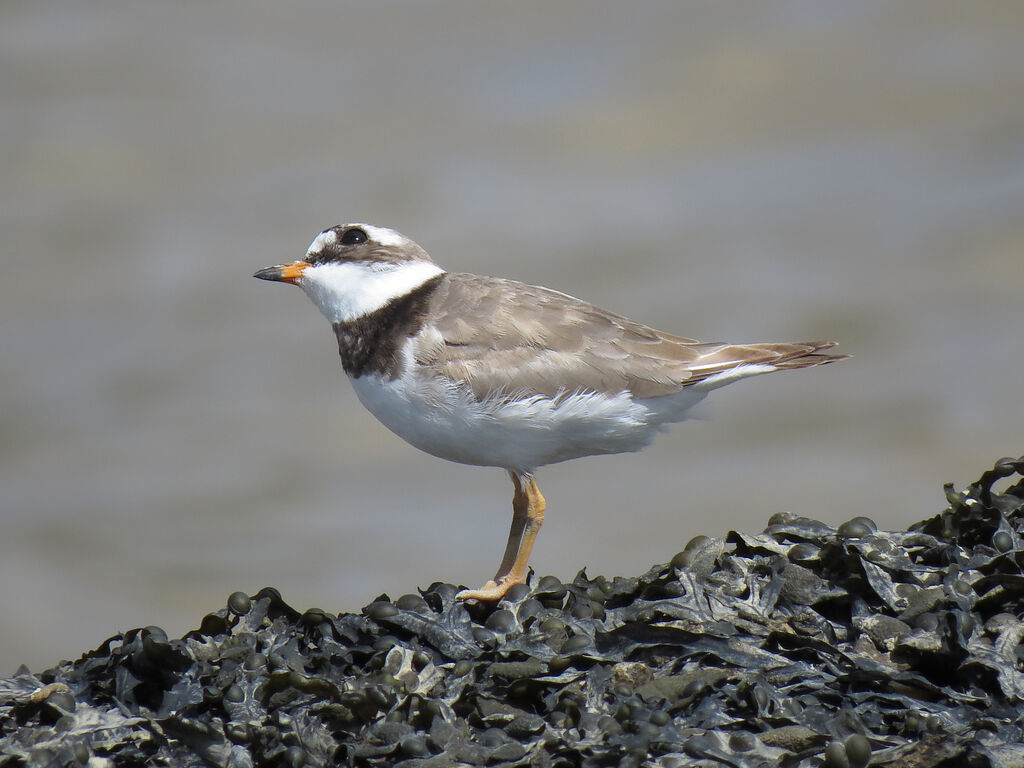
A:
(492, 372)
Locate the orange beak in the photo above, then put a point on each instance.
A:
(283, 273)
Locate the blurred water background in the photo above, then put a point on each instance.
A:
(172, 430)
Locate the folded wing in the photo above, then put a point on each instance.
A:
(502, 338)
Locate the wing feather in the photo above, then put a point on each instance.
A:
(503, 338)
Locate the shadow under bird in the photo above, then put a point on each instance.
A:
(498, 373)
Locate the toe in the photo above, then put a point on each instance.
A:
(489, 592)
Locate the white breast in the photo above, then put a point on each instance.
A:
(443, 419)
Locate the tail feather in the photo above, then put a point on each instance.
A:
(730, 362)
(805, 355)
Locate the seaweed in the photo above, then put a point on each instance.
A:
(804, 645)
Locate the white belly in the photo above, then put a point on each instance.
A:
(444, 420)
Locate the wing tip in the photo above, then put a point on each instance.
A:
(811, 354)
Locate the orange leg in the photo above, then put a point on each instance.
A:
(520, 513)
(527, 515)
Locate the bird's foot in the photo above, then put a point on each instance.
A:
(492, 591)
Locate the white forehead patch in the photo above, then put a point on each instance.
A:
(321, 241)
(383, 235)
(347, 290)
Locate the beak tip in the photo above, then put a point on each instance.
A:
(268, 273)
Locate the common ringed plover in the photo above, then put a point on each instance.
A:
(492, 372)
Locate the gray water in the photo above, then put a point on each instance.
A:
(172, 430)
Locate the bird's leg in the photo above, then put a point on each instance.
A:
(534, 518)
(520, 505)
(527, 515)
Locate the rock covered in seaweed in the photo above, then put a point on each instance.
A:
(801, 646)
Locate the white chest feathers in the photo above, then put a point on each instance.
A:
(442, 418)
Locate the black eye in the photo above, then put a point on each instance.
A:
(353, 236)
